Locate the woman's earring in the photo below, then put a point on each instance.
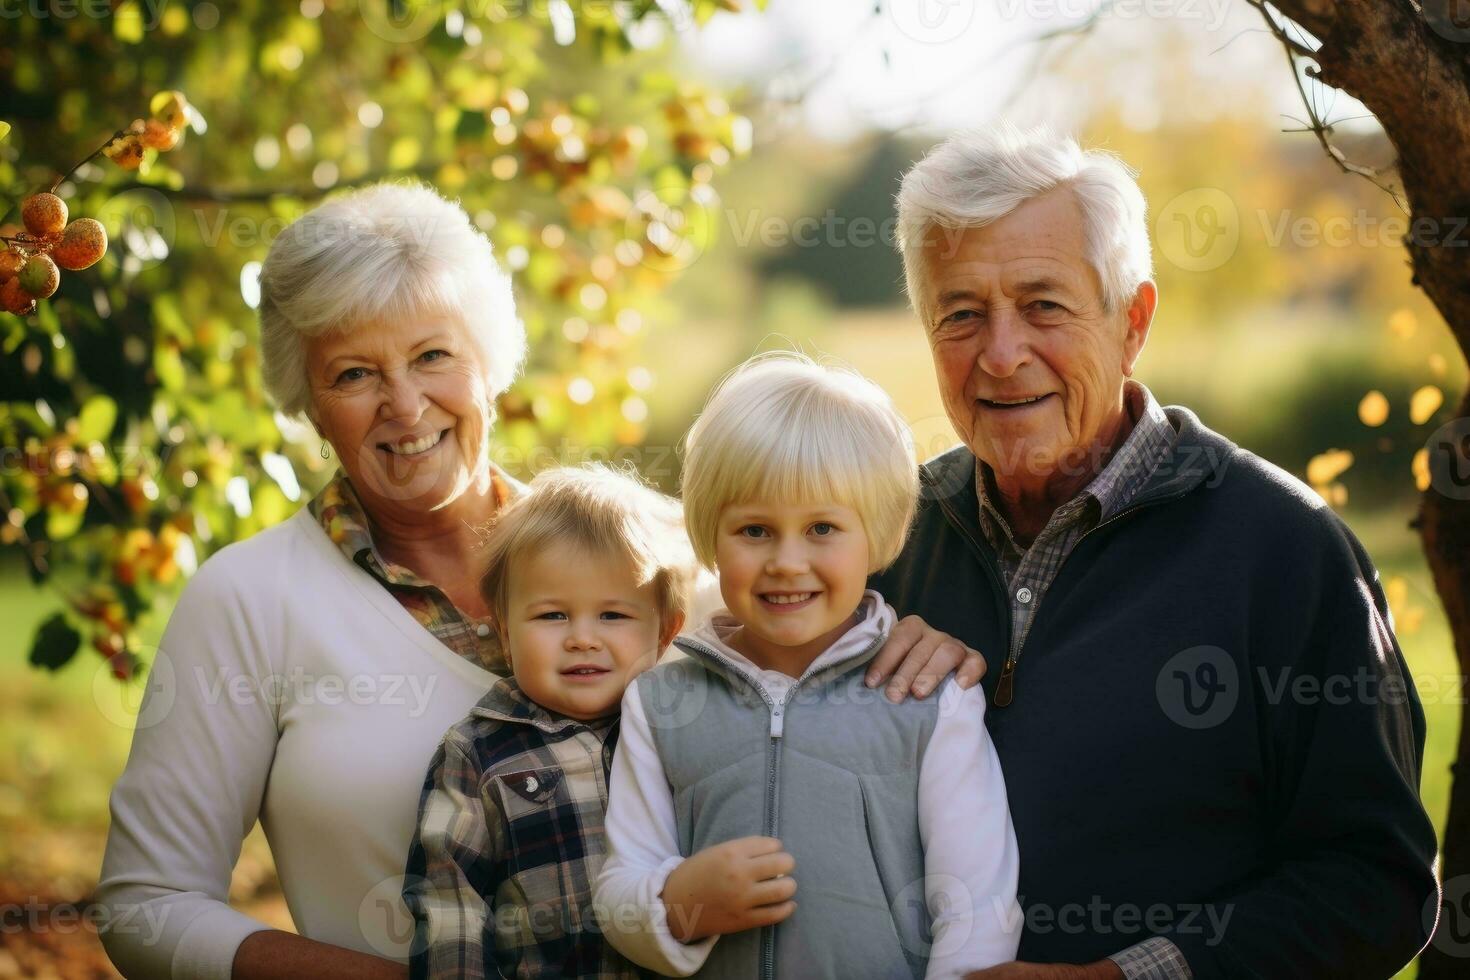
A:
(325, 453)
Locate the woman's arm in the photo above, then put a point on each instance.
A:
(276, 955)
(971, 861)
(191, 791)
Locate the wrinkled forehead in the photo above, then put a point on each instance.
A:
(1043, 240)
(378, 337)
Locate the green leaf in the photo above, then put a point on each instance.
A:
(96, 419)
(169, 367)
(61, 523)
(55, 643)
(167, 318)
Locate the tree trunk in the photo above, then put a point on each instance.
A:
(1444, 524)
(1410, 65)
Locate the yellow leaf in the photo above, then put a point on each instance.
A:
(1403, 323)
(1323, 468)
(1407, 616)
(404, 153)
(1373, 409)
(127, 24)
(1420, 468)
(1437, 365)
(1424, 403)
(1410, 622)
(4, 129)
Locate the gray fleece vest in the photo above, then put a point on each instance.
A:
(833, 773)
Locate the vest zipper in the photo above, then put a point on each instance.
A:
(773, 763)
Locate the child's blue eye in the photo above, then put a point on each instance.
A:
(551, 615)
(756, 528)
(823, 524)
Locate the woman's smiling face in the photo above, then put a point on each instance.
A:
(407, 408)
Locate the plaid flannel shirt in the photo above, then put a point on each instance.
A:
(510, 840)
(340, 513)
(1029, 571)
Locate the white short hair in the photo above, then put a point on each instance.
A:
(379, 254)
(783, 427)
(976, 177)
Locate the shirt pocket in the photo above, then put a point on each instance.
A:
(547, 893)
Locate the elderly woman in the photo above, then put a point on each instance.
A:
(308, 673)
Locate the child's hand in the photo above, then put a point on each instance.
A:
(740, 884)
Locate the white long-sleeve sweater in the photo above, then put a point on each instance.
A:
(964, 825)
(292, 688)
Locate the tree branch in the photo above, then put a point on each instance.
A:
(1296, 53)
(212, 195)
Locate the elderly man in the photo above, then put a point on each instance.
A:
(1210, 741)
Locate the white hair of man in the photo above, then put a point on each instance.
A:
(381, 254)
(979, 176)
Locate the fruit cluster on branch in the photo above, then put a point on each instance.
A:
(33, 257)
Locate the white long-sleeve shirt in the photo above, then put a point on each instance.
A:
(291, 688)
(964, 826)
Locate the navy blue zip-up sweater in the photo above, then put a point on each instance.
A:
(1213, 736)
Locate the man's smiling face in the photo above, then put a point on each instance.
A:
(1030, 362)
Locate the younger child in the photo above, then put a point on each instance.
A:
(588, 580)
(770, 815)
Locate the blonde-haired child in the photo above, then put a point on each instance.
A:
(589, 577)
(770, 815)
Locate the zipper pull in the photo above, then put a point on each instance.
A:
(1005, 687)
(778, 719)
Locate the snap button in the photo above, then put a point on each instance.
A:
(482, 629)
(1023, 595)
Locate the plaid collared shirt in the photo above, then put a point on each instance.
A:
(510, 840)
(1029, 571)
(341, 515)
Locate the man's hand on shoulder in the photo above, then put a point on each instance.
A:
(1101, 970)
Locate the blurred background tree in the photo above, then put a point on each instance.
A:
(138, 434)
